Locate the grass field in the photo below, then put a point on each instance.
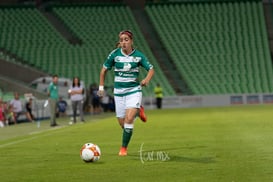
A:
(199, 144)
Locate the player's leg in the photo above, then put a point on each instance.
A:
(127, 130)
(142, 114)
(120, 110)
(141, 111)
(121, 122)
(132, 105)
(120, 113)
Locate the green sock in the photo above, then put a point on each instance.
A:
(127, 133)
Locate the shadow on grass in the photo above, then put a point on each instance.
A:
(180, 148)
(100, 162)
(203, 160)
(165, 155)
(171, 158)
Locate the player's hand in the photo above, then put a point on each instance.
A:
(144, 82)
(100, 93)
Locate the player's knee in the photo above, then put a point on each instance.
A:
(129, 119)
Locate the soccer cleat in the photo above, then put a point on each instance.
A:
(142, 114)
(122, 151)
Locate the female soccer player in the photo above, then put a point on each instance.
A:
(127, 89)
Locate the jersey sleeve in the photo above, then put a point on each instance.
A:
(145, 63)
(109, 62)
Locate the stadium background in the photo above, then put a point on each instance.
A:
(198, 47)
(223, 53)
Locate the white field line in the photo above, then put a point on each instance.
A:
(20, 141)
(32, 138)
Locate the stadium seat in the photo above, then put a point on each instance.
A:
(27, 33)
(227, 39)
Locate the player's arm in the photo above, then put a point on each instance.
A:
(149, 67)
(102, 76)
(102, 79)
(109, 62)
(148, 77)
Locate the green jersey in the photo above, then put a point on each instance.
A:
(53, 91)
(126, 68)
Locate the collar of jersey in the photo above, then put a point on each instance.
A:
(126, 54)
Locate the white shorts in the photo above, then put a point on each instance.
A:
(125, 102)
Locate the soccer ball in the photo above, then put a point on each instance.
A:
(90, 152)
